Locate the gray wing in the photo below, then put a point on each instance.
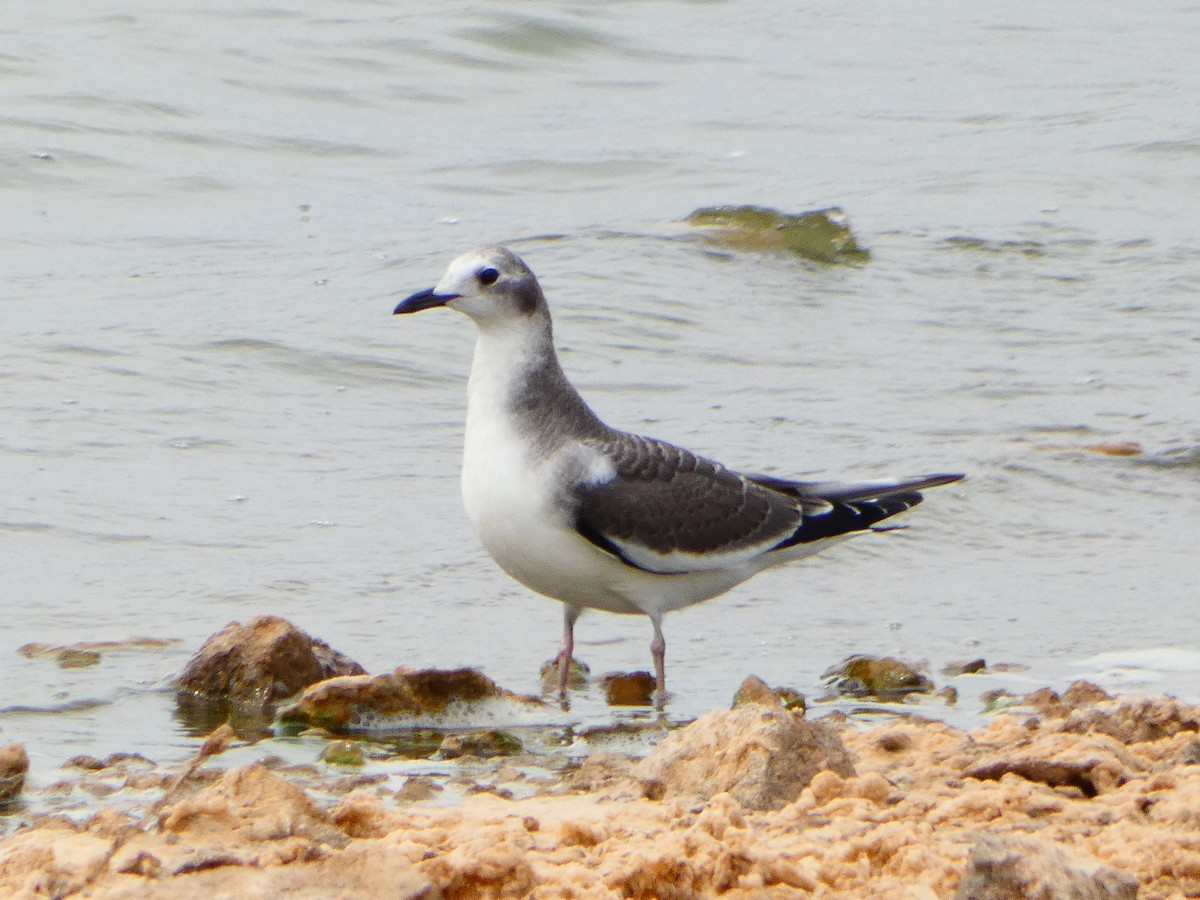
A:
(668, 511)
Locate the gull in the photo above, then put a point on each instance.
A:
(598, 518)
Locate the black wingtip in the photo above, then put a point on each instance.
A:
(849, 517)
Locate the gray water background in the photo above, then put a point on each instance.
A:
(208, 412)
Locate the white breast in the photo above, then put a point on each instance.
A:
(511, 500)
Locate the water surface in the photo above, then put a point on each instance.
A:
(210, 413)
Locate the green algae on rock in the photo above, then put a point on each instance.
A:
(347, 754)
(821, 235)
(70, 658)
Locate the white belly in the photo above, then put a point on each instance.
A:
(508, 492)
(520, 525)
(507, 500)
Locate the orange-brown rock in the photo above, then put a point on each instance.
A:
(628, 688)
(884, 677)
(14, 764)
(1004, 868)
(367, 702)
(753, 691)
(264, 661)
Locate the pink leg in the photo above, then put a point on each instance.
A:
(658, 649)
(566, 650)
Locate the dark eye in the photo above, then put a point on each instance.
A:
(488, 276)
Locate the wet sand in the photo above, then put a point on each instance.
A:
(1074, 793)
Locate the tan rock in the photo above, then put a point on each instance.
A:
(52, 861)
(1134, 719)
(905, 827)
(1010, 867)
(359, 872)
(253, 803)
(764, 757)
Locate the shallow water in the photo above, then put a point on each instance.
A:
(210, 413)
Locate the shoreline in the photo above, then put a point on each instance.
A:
(1080, 786)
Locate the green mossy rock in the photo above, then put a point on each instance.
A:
(821, 235)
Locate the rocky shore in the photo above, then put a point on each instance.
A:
(1072, 795)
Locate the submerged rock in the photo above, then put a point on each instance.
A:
(348, 754)
(578, 674)
(1116, 448)
(957, 667)
(884, 677)
(86, 654)
(56, 651)
(383, 702)
(821, 235)
(628, 688)
(14, 764)
(486, 744)
(631, 737)
(77, 659)
(763, 757)
(1001, 868)
(998, 699)
(262, 662)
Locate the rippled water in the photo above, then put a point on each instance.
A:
(209, 412)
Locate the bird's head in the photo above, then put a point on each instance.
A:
(492, 286)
